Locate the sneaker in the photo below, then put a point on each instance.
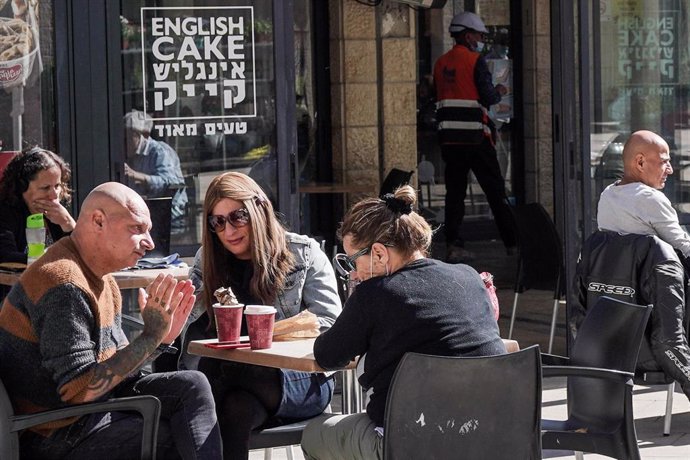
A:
(456, 255)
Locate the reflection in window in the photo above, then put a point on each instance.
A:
(26, 74)
(202, 75)
(640, 82)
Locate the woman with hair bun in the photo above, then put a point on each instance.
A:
(404, 302)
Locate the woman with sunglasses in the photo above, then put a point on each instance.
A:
(245, 247)
(404, 302)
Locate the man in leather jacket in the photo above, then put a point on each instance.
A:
(645, 270)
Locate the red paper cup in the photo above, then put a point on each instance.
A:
(228, 322)
(260, 320)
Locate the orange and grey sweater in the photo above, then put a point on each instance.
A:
(56, 324)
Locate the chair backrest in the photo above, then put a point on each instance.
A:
(161, 214)
(395, 178)
(609, 337)
(479, 407)
(540, 264)
(425, 172)
(640, 254)
(9, 440)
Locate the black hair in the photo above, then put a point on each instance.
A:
(24, 168)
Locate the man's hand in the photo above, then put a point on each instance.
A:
(136, 176)
(182, 300)
(158, 306)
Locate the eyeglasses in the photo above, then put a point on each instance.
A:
(346, 264)
(237, 218)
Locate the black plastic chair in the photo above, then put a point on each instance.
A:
(161, 215)
(278, 436)
(540, 261)
(10, 424)
(600, 382)
(449, 407)
(395, 178)
(648, 371)
(659, 378)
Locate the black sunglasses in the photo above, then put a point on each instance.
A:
(346, 264)
(237, 218)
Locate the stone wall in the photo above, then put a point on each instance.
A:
(538, 148)
(373, 90)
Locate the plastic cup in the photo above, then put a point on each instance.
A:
(228, 322)
(260, 320)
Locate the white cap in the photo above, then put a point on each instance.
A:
(259, 310)
(466, 20)
(136, 120)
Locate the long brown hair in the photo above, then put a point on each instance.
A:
(271, 258)
(389, 220)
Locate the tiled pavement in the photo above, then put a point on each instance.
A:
(532, 326)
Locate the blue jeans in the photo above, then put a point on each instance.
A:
(188, 427)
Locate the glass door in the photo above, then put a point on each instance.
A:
(27, 72)
(501, 43)
(639, 80)
(199, 82)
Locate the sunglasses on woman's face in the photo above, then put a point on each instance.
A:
(237, 218)
(346, 264)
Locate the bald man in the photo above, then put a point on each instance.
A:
(61, 342)
(635, 204)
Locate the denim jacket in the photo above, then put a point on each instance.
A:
(310, 286)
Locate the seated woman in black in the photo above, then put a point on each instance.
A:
(404, 302)
(36, 181)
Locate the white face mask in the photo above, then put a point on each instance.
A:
(479, 47)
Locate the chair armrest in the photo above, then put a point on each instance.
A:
(593, 372)
(147, 406)
(131, 321)
(554, 360)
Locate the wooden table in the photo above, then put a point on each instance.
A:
(126, 279)
(132, 279)
(332, 187)
(297, 355)
(293, 354)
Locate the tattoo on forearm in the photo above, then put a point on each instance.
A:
(123, 363)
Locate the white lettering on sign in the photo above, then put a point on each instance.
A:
(202, 52)
(648, 44)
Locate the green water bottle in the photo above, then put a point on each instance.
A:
(35, 237)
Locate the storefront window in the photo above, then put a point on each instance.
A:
(27, 64)
(435, 40)
(198, 85)
(639, 81)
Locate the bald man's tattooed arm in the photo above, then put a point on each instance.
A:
(109, 373)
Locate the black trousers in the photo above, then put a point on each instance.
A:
(483, 162)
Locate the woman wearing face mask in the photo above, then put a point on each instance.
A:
(404, 302)
(246, 248)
